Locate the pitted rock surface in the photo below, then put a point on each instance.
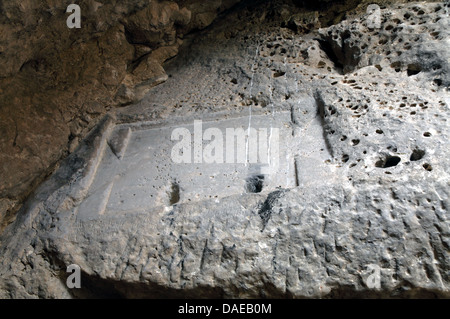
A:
(364, 172)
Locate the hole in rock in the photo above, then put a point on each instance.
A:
(427, 167)
(389, 161)
(413, 69)
(345, 158)
(329, 51)
(435, 34)
(254, 184)
(416, 155)
(174, 194)
(392, 148)
(278, 74)
(396, 66)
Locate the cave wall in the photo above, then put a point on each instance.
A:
(373, 191)
(56, 83)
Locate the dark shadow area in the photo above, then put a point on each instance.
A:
(254, 184)
(266, 209)
(328, 49)
(321, 113)
(95, 287)
(174, 194)
(404, 291)
(388, 161)
(416, 155)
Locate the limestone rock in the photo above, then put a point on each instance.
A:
(50, 75)
(363, 189)
(396, 42)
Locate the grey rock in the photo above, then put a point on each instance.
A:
(51, 76)
(374, 18)
(119, 142)
(364, 186)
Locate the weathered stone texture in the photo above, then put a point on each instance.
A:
(56, 82)
(368, 160)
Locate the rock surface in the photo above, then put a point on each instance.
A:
(56, 83)
(366, 105)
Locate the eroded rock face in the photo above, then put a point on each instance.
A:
(56, 82)
(364, 184)
(356, 45)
